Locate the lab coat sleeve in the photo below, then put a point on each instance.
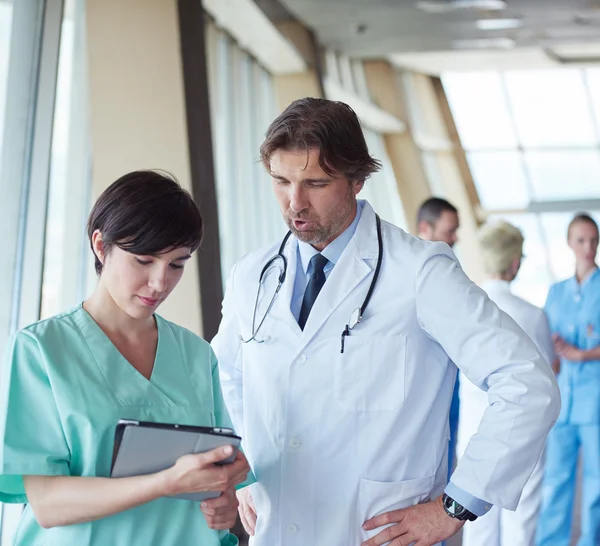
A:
(222, 418)
(497, 356)
(543, 339)
(550, 298)
(33, 441)
(227, 347)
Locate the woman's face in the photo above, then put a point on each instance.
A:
(583, 240)
(139, 284)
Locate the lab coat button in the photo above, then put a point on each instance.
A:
(267, 339)
(295, 443)
(292, 528)
(302, 358)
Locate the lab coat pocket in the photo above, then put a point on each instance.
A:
(370, 373)
(375, 498)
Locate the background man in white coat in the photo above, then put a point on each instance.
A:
(437, 220)
(501, 246)
(333, 352)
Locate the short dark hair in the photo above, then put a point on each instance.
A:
(431, 210)
(579, 218)
(145, 213)
(329, 126)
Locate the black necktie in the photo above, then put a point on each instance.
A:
(316, 282)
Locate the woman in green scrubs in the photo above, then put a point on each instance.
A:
(67, 380)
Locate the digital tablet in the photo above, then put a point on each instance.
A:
(145, 448)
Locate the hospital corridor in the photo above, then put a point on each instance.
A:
(300, 272)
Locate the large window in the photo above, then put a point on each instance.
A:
(43, 168)
(67, 251)
(242, 107)
(532, 137)
(381, 190)
(6, 12)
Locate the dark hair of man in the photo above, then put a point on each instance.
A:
(330, 127)
(581, 218)
(431, 210)
(146, 213)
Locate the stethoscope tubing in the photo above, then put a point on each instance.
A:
(282, 276)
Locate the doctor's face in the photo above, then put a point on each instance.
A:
(583, 240)
(139, 284)
(444, 229)
(317, 207)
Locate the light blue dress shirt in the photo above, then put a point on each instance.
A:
(333, 252)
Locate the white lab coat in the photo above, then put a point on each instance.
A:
(502, 527)
(334, 439)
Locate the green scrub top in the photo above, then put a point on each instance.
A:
(64, 386)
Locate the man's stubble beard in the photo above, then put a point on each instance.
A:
(324, 233)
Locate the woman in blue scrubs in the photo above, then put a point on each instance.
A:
(573, 310)
(67, 381)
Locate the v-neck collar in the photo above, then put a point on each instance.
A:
(126, 382)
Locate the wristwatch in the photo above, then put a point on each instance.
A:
(455, 510)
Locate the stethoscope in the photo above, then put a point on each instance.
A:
(279, 260)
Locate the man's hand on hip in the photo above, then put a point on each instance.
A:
(423, 524)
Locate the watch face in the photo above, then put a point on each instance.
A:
(453, 508)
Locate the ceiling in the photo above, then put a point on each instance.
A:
(394, 28)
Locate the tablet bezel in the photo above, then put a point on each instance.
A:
(122, 424)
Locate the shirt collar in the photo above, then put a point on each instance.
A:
(333, 251)
(495, 285)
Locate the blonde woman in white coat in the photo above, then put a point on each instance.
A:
(501, 246)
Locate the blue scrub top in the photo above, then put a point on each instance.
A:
(573, 311)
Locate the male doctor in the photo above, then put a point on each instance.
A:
(333, 353)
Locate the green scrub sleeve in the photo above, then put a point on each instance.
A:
(33, 442)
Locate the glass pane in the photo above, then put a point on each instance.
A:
(480, 111)
(499, 179)
(5, 33)
(269, 216)
(6, 16)
(381, 189)
(242, 107)
(66, 248)
(551, 108)
(245, 222)
(593, 81)
(222, 106)
(534, 277)
(564, 174)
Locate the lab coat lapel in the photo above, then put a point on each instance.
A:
(355, 264)
(283, 306)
